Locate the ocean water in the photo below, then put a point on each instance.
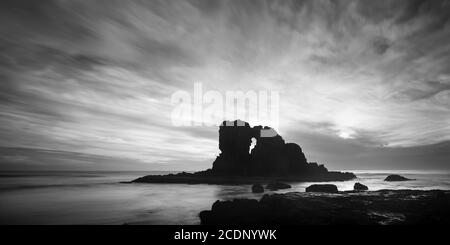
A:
(99, 198)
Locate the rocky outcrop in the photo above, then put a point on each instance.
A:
(271, 159)
(234, 143)
(395, 177)
(326, 188)
(257, 188)
(277, 186)
(384, 207)
(360, 187)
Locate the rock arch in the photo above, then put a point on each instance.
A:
(269, 156)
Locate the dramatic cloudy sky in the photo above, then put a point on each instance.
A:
(87, 84)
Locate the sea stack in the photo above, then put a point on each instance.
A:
(271, 159)
(271, 156)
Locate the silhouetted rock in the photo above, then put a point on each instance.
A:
(360, 187)
(277, 186)
(244, 208)
(235, 139)
(271, 156)
(395, 177)
(327, 188)
(384, 207)
(270, 159)
(257, 188)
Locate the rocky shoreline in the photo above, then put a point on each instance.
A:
(382, 207)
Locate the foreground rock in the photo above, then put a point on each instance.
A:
(271, 159)
(395, 177)
(277, 186)
(327, 188)
(257, 188)
(384, 207)
(360, 187)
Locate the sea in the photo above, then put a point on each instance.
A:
(51, 198)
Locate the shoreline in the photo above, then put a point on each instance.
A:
(382, 207)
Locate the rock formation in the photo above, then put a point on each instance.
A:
(384, 207)
(277, 186)
(360, 187)
(271, 159)
(257, 188)
(395, 177)
(326, 188)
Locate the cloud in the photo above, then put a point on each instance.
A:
(95, 77)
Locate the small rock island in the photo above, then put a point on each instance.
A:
(395, 177)
(271, 159)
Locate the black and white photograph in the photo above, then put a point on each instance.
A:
(197, 113)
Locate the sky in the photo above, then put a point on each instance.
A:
(87, 85)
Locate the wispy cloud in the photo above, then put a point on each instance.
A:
(96, 77)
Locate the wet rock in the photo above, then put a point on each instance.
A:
(225, 212)
(327, 188)
(396, 177)
(257, 188)
(360, 187)
(387, 207)
(277, 186)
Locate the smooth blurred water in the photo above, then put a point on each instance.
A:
(99, 198)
